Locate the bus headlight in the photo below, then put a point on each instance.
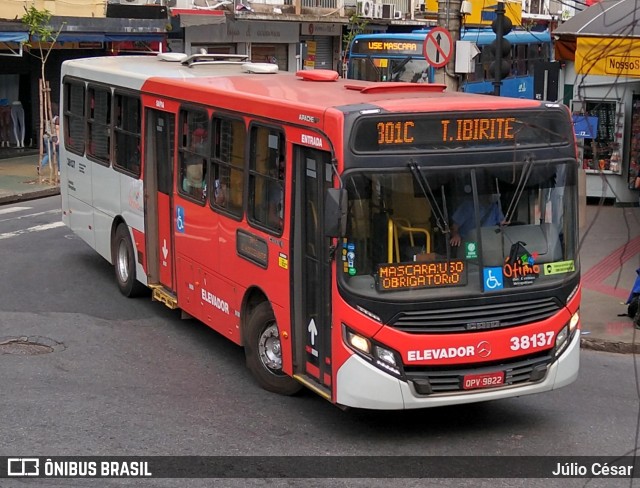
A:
(573, 323)
(561, 340)
(386, 356)
(565, 335)
(380, 356)
(356, 341)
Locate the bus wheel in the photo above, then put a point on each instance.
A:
(125, 264)
(264, 352)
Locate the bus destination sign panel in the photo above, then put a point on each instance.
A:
(432, 132)
(391, 47)
(413, 275)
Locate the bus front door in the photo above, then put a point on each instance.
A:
(159, 175)
(312, 271)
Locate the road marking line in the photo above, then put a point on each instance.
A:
(13, 209)
(37, 214)
(37, 228)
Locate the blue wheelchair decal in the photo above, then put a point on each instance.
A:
(493, 279)
(180, 219)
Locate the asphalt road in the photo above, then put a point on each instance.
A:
(125, 377)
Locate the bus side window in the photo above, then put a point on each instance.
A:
(194, 154)
(99, 124)
(127, 133)
(266, 178)
(227, 165)
(73, 112)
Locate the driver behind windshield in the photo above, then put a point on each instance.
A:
(463, 218)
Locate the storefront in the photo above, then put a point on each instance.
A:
(77, 37)
(602, 129)
(320, 45)
(601, 87)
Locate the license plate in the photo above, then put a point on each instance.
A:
(484, 380)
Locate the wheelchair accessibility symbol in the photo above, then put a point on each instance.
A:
(180, 219)
(493, 279)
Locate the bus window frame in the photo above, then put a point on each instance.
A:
(215, 162)
(69, 116)
(119, 130)
(253, 173)
(90, 122)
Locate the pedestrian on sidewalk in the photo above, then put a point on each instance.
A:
(633, 302)
(51, 140)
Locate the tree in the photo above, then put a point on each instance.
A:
(38, 24)
(355, 26)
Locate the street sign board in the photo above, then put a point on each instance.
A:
(437, 47)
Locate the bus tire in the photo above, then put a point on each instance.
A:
(264, 354)
(125, 264)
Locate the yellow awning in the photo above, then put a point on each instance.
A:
(608, 56)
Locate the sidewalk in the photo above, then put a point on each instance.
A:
(19, 178)
(609, 254)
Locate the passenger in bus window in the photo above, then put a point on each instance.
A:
(199, 141)
(221, 185)
(275, 196)
(194, 181)
(132, 162)
(221, 193)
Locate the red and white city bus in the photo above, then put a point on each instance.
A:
(387, 245)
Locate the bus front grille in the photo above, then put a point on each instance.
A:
(428, 381)
(471, 318)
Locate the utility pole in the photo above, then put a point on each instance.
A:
(449, 18)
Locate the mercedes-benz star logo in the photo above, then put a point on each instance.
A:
(483, 349)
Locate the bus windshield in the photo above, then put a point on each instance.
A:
(432, 232)
(389, 69)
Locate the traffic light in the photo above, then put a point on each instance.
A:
(500, 47)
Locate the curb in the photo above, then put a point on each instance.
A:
(30, 195)
(609, 346)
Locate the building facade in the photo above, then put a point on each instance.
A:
(601, 85)
(294, 34)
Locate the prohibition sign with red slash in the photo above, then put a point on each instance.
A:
(437, 47)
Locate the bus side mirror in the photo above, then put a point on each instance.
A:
(335, 212)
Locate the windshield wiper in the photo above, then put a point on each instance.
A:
(375, 68)
(524, 178)
(441, 219)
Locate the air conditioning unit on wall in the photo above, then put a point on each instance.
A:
(388, 10)
(133, 2)
(365, 9)
(377, 10)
